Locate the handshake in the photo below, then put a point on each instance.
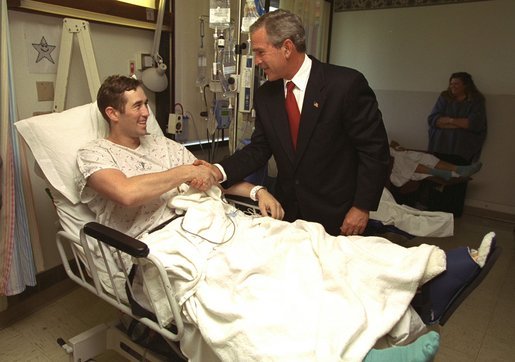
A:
(204, 175)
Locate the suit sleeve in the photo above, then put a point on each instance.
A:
(367, 132)
(250, 158)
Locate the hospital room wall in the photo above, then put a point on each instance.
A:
(407, 55)
(113, 46)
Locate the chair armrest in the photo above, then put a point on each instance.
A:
(116, 239)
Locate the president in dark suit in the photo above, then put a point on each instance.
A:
(331, 166)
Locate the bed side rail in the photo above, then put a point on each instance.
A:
(245, 204)
(111, 285)
(116, 239)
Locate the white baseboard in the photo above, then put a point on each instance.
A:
(505, 209)
(490, 210)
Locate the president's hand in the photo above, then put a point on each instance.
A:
(268, 205)
(355, 222)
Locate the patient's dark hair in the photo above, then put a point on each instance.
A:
(111, 93)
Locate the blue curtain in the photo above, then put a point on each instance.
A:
(17, 269)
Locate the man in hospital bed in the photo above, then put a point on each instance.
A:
(256, 288)
(414, 165)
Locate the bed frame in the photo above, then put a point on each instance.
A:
(83, 270)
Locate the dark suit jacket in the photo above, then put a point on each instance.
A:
(342, 149)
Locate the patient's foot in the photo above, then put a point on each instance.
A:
(449, 289)
(480, 255)
(422, 350)
(469, 170)
(445, 174)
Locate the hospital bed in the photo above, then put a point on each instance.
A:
(99, 258)
(54, 140)
(427, 190)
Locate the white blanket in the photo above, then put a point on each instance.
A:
(411, 220)
(260, 289)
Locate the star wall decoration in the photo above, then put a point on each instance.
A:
(44, 50)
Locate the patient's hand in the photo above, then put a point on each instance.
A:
(396, 146)
(268, 205)
(216, 171)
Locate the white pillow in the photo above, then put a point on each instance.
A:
(54, 140)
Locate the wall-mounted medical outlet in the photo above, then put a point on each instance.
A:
(175, 124)
(144, 61)
(132, 67)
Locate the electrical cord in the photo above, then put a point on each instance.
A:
(206, 239)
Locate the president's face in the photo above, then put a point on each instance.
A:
(269, 58)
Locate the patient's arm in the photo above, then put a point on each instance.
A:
(268, 204)
(137, 190)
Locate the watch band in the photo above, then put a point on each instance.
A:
(254, 191)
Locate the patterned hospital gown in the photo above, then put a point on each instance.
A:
(155, 154)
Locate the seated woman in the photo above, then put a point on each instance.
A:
(415, 165)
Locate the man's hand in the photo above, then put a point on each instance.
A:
(355, 222)
(203, 177)
(268, 205)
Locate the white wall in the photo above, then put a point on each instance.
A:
(407, 55)
(187, 44)
(113, 46)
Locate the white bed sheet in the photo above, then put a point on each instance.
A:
(260, 289)
(411, 220)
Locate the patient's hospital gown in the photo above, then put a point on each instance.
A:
(155, 154)
(260, 289)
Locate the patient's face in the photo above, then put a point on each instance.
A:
(133, 121)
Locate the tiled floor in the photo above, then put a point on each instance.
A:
(483, 328)
(34, 338)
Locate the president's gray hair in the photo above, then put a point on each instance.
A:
(281, 25)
